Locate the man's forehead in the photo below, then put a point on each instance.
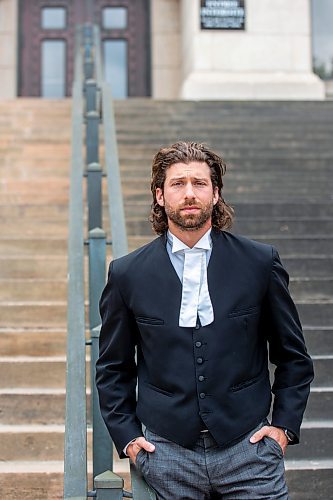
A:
(195, 169)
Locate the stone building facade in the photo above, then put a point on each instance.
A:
(167, 49)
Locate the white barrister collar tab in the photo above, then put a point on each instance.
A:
(205, 243)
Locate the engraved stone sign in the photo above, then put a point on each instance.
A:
(222, 14)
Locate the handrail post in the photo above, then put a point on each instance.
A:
(88, 63)
(109, 486)
(102, 443)
(92, 137)
(97, 258)
(91, 95)
(94, 195)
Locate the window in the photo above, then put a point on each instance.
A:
(53, 18)
(322, 38)
(114, 18)
(115, 66)
(53, 67)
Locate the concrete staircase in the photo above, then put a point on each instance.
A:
(34, 166)
(280, 182)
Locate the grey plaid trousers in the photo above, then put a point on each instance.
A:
(206, 471)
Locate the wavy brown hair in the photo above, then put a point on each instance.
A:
(186, 152)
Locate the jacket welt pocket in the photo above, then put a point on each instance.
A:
(246, 383)
(149, 321)
(244, 312)
(158, 389)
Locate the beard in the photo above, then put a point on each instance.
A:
(186, 221)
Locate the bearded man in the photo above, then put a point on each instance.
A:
(190, 320)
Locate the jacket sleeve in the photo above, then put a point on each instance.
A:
(116, 372)
(294, 368)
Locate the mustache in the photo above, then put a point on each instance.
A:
(190, 204)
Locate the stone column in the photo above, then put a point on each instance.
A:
(270, 59)
(165, 45)
(8, 48)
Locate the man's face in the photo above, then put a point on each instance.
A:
(188, 196)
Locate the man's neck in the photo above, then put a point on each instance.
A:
(190, 238)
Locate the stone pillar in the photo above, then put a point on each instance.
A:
(8, 48)
(165, 37)
(270, 59)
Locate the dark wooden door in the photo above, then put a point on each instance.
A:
(46, 44)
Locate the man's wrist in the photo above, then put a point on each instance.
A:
(289, 435)
(130, 442)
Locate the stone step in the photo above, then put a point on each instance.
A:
(35, 406)
(46, 341)
(241, 165)
(316, 442)
(33, 245)
(31, 442)
(33, 211)
(323, 368)
(320, 404)
(319, 340)
(45, 442)
(298, 266)
(33, 341)
(309, 266)
(51, 341)
(34, 187)
(316, 314)
(283, 226)
(309, 479)
(32, 372)
(12, 290)
(286, 245)
(33, 267)
(40, 480)
(38, 169)
(34, 480)
(33, 314)
(295, 189)
(29, 406)
(311, 289)
(250, 209)
(130, 163)
(36, 228)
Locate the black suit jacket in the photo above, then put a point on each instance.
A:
(217, 374)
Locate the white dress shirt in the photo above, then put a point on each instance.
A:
(191, 267)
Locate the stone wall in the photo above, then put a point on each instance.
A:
(8, 48)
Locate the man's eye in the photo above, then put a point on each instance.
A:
(176, 183)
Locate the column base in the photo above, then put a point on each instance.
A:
(253, 86)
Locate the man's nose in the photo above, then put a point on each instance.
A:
(189, 192)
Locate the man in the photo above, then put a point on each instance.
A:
(189, 318)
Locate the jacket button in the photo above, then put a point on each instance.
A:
(199, 361)
(197, 326)
(201, 378)
(198, 344)
(202, 395)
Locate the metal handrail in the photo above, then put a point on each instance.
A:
(98, 103)
(116, 206)
(75, 467)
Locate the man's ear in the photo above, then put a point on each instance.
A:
(215, 195)
(160, 197)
